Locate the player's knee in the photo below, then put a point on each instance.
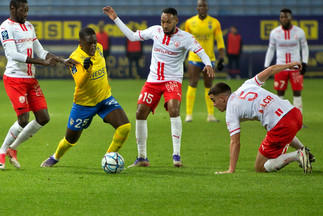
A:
(23, 122)
(260, 168)
(23, 119)
(43, 120)
(193, 83)
(173, 112)
(142, 112)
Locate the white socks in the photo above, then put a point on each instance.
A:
(176, 128)
(142, 134)
(28, 131)
(141, 138)
(298, 103)
(12, 135)
(296, 144)
(273, 165)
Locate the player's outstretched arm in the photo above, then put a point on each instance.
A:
(108, 10)
(48, 62)
(132, 36)
(68, 62)
(265, 74)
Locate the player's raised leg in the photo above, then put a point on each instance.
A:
(119, 120)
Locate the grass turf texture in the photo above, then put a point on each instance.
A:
(77, 185)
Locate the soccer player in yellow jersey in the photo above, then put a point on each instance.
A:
(206, 30)
(92, 96)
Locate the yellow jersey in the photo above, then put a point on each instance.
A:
(205, 32)
(90, 88)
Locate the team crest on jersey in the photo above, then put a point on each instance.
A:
(71, 121)
(30, 26)
(98, 49)
(210, 25)
(5, 35)
(177, 43)
(296, 37)
(22, 99)
(73, 69)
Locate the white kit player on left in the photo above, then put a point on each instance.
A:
(20, 42)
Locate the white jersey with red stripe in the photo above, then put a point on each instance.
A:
(168, 53)
(252, 102)
(19, 42)
(287, 44)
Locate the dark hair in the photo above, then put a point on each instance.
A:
(203, 1)
(171, 11)
(286, 10)
(16, 3)
(85, 32)
(220, 88)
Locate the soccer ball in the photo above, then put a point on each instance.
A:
(112, 162)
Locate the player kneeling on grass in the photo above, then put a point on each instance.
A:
(92, 96)
(281, 119)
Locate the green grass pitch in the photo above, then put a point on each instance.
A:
(79, 186)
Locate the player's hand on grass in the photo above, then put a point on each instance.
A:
(220, 64)
(110, 12)
(224, 172)
(70, 62)
(87, 63)
(303, 70)
(209, 70)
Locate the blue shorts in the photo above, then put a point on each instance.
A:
(81, 116)
(200, 64)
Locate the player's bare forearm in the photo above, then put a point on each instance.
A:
(234, 154)
(48, 62)
(108, 10)
(265, 74)
(54, 57)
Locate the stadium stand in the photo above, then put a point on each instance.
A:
(185, 7)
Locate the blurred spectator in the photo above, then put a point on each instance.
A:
(234, 49)
(134, 51)
(103, 39)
